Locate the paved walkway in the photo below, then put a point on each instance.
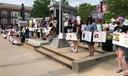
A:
(20, 61)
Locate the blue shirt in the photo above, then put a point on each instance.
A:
(91, 27)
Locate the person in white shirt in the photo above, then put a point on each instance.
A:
(112, 25)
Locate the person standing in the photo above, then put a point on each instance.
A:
(75, 30)
(99, 28)
(119, 50)
(72, 32)
(91, 27)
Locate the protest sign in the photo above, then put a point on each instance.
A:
(99, 37)
(120, 39)
(71, 36)
(87, 36)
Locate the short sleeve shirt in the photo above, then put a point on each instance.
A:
(91, 27)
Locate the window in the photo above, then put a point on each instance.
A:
(13, 20)
(4, 20)
(4, 13)
(14, 14)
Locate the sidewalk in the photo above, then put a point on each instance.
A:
(20, 61)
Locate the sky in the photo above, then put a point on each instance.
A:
(30, 2)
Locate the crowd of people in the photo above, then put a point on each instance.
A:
(35, 29)
(47, 30)
(119, 24)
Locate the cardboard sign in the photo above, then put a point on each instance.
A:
(87, 36)
(99, 37)
(120, 39)
(71, 36)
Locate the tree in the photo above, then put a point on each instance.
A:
(65, 2)
(40, 8)
(117, 8)
(85, 10)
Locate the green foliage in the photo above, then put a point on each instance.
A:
(85, 10)
(117, 8)
(40, 8)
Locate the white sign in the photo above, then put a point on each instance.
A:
(87, 36)
(60, 36)
(99, 37)
(71, 36)
(47, 30)
(120, 39)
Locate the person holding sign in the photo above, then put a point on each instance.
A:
(120, 50)
(91, 27)
(74, 45)
(71, 36)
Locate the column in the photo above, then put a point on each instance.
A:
(54, 12)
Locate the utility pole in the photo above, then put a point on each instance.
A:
(101, 6)
(60, 17)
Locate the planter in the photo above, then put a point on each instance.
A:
(107, 46)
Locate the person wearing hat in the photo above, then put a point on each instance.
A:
(125, 27)
(120, 51)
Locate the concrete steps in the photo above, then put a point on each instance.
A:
(56, 51)
(55, 56)
(76, 61)
(49, 53)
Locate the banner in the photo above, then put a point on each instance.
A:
(87, 36)
(120, 39)
(99, 37)
(71, 36)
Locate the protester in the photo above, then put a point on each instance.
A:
(91, 27)
(22, 35)
(125, 29)
(112, 25)
(83, 25)
(27, 32)
(30, 29)
(72, 31)
(120, 51)
(75, 30)
(66, 24)
(99, 25)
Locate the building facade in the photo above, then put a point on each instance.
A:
(9, 14)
